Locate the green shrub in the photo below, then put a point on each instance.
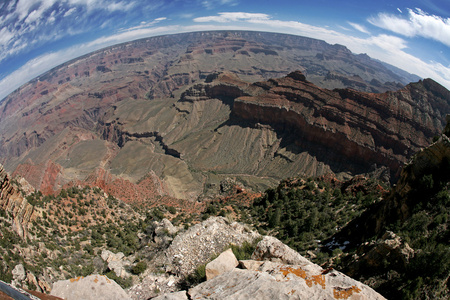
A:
(245, 251)
(123, 282)
(197, 277)
(139, 268)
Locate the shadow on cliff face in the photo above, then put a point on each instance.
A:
(292, 141)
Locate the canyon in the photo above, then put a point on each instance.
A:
(194, 127)
(129, 118)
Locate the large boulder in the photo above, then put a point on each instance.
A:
(226, 261)
(93, 287)
(173, 296)
(279, 281)
(19, 275)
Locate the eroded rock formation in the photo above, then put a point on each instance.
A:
(366, 129)
(14, 204)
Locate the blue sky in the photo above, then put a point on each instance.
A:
(37, 35)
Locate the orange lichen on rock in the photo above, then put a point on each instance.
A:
(319, 279)
(314, 279)
(76, 279)
(345, 293)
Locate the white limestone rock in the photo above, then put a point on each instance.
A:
(93, 287)
(226, 261)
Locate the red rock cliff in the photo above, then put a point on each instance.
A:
(366, 128)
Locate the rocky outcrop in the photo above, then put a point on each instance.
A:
(162, 232)
(26, 278)
(18, 274)
(272, 278)
(187, 251)
(200, 242)
(13, 203)
(280, 281)
(270, 248)
(93, 287)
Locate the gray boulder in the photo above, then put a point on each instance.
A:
(93, 287)
(226, 261)
(18, 273)
(173, 296)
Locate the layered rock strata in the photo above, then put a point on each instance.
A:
(13, 203)
(363, 129)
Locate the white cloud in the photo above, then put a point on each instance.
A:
(399, 10)
(144, 25)
(418, 23)
(31, 22)
(122, 6)
(70, 11)
(226, 17)
(5, 36)
(129, 36)
(359, 27)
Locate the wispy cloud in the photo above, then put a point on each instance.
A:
(27, 22)
(226, 17)
(359, 27)
(122, 6)
(144, 25)
(418, 23)
(70, 12)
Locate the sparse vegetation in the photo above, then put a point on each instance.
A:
(301, 212)
(78, 223)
